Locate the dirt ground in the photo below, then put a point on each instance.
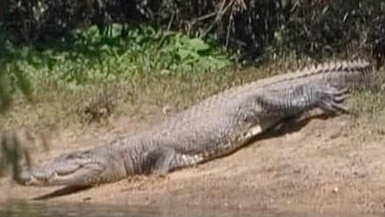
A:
(327, 165)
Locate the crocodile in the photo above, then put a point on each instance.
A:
(212, 128)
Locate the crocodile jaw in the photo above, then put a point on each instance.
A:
(66, 170)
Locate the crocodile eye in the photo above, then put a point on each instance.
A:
(72, 156)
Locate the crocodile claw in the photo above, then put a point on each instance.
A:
(331, 99)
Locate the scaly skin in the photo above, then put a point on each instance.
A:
(214, 127)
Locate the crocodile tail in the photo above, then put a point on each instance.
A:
(349, 74)
(341, 74)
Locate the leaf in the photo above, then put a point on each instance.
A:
(198, 44)
(183, 53)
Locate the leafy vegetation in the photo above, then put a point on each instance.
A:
(255, 29)
(144, 51)
(92, 57)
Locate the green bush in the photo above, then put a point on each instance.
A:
(255, 29)
(89, 57)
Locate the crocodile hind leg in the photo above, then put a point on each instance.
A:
(302, 98)
(163, 160)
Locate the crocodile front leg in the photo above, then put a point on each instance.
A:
(164, 159)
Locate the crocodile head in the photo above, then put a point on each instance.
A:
(72, 169)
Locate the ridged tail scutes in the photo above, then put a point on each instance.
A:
(349, 74)
(341, 74)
